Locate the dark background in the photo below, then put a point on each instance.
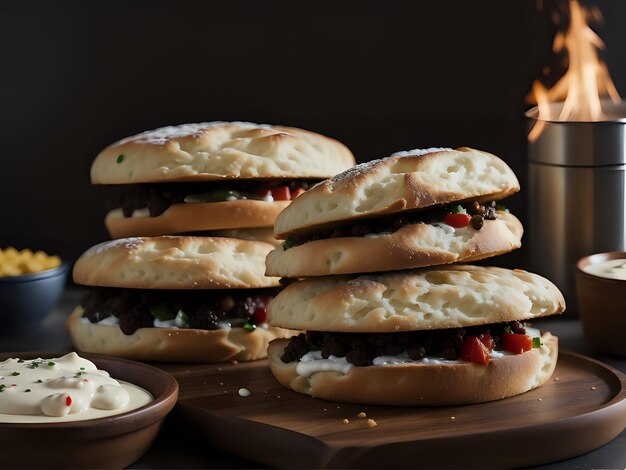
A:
(380, 76)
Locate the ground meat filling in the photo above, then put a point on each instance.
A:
(138, 308)
(389, 224)
(360, 349)
(158, 197)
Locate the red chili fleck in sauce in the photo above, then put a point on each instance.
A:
(68, 401)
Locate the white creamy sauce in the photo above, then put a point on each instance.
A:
(612, 269)
(160, 323)
(175, 323)
(420, 152)
(313, 361)
(68, 388)
(110, 320)
(377, 235)
(137, 213)
(449, 229)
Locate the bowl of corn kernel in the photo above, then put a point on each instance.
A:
(31, 285)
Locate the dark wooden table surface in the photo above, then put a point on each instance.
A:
(177, 447)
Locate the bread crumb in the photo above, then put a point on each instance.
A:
(593, 388)
(453, 417)
(244, 392)
(371, 423)
(539, 399)
(345, 421)
(277, 396)
(225, 391)
(219, 369)
(361, 415)
(556, 379)
(234, 362)
(265, 391)
(325, 409)
(222, 383)
(338, 407)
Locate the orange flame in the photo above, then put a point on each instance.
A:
(586, 79)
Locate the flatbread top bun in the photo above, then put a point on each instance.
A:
(170, 262)
(446, 297)
(409, 180)
(219, 150)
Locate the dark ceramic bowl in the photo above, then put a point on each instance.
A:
(25, 300)
(112, 442)
(602, 304)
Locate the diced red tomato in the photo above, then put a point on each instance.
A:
(487, 340)
(281, 193)
(515, 343)
(296, 193)
(457, 220)
(474, 351)
(259, 316)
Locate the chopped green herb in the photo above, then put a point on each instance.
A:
(19, 361)
(120, 158)
(249, 327)
(213, 196)
(51, 363)
(182, 320)
(536, 342)
(82, 368)
(507, 329)
(457, 209)
(288, 244)
(15, 374)
(2, 387)
(501, 207)
(39, 381)
(27, 390)
(162, 312)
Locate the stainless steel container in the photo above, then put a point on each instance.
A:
(577, 194)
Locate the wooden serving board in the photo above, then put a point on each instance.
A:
(581, 408)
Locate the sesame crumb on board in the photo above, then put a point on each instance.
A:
(593, 388)
(361, 415)
(452, 418)
(345, 421)
(371, 423)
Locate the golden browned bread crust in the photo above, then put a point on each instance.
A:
(407, 181)
(424, 384)
(172, 262)
(453, 296)
(171, 344)
(183, 218)
(218, 150)
(412, 246)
